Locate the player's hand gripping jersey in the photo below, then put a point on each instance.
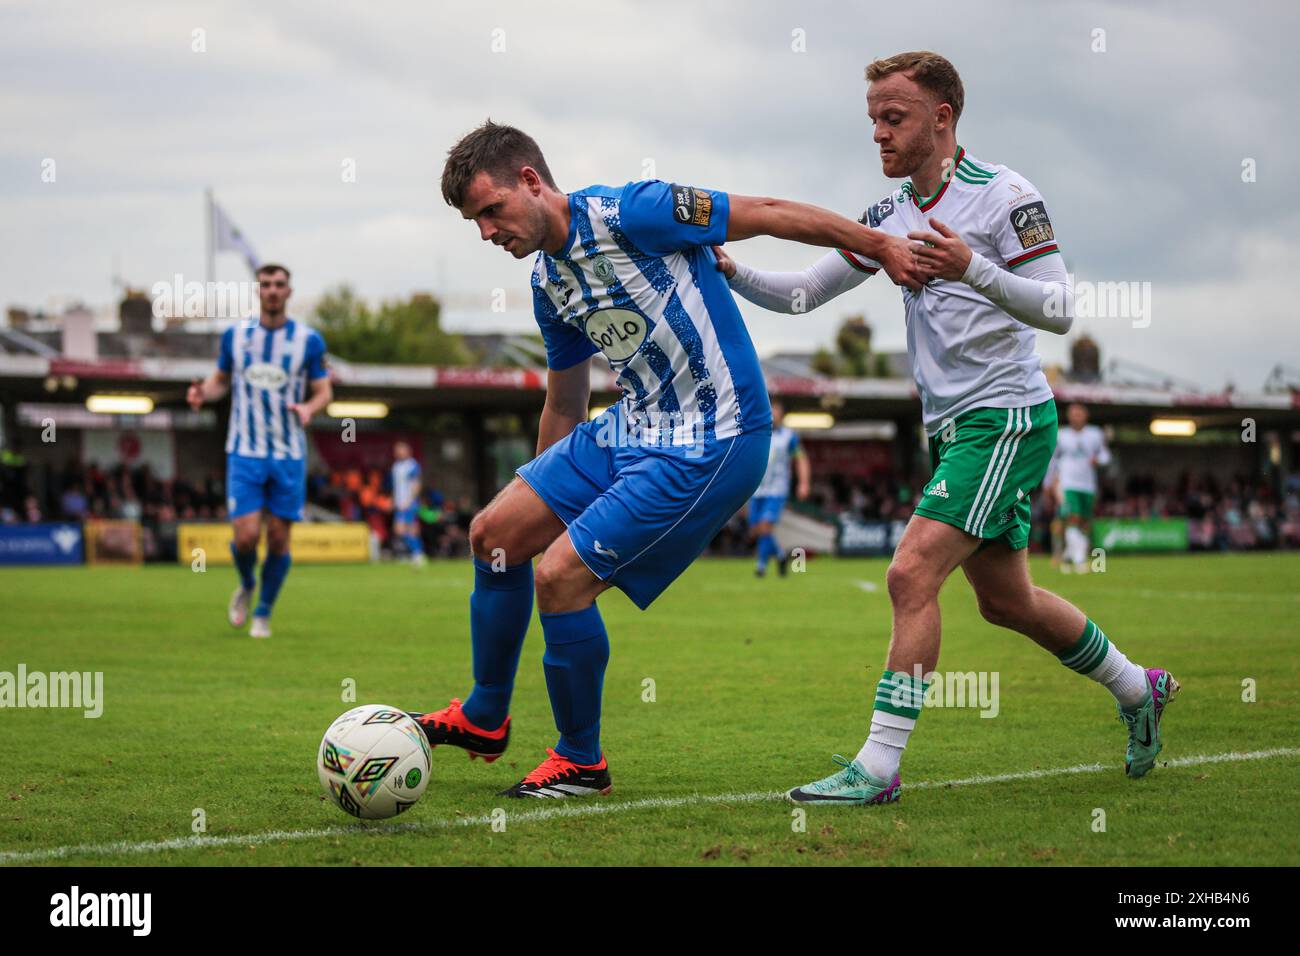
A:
(970, 342)
(986, 404)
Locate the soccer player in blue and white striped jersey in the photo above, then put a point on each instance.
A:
(785, 455)
(405, 477)
(274, 367)
(630, 498)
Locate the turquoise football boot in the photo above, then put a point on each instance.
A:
(853, 784)
(1144, 723)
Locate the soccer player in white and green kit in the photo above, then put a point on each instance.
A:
(981, 232)
(1080, 451)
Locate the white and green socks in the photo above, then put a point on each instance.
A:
(1093, 656)
(898, 705)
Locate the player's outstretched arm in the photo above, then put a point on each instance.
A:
(801, 222)
(791, 292)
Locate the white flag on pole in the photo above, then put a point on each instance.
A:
(228, 238)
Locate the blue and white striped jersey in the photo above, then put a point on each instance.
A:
(637, 281)
(406, 483)
(269, 370)
(776, 480)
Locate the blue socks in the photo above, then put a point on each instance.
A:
(245, 562)
(577, 650)
(413, 544)
(499, 611)
(767, 549)
(274, 570)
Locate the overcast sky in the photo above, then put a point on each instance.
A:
(1138, 149)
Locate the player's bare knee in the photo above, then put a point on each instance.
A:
(1006, 606)
(999, 613)
(908, 582)
(558, 584)
(487, 536)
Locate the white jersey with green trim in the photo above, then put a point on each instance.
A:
(966, 352)
(1079, 452)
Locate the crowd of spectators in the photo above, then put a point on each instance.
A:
(357, 494)
(86, 491)
(1239, 514)
(881, 499)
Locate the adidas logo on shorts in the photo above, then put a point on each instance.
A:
(940, 490)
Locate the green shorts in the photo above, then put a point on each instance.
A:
(986, 463)
(1077, 503)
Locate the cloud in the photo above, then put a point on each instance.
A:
(1138, 149)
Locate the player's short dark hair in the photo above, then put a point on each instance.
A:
(498, 150)
(269, 267)
(930, 71)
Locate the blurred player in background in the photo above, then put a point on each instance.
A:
(274, 368)
(769, 500)
(406, 501)
(1056, 528)
(1080, 451)
(630, 498)
(982, 235)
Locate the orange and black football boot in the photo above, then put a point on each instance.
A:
(559, 777)
(451, 726)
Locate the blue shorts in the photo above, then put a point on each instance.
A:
(639, 515)
(276, 484)
(766, 508)
(404, 515)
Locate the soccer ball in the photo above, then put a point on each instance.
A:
(374, 762)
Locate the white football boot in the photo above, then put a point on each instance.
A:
(237, 612)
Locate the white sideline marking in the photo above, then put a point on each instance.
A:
(585, 809)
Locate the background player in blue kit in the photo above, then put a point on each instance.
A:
(406, 500)
(630, 498)
(274, 368)
(769, 500)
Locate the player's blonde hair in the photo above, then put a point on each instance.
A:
(928, 70)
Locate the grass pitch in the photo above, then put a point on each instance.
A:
(755, 684)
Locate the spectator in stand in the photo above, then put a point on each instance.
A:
(74, 504)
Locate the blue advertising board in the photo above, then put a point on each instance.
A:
(53, 543)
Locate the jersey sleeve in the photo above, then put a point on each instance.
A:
(565, 345)
(314, 359)
(1020, 229)
(662, 218)
(875, 217)
(226, 357)
(794, 292)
